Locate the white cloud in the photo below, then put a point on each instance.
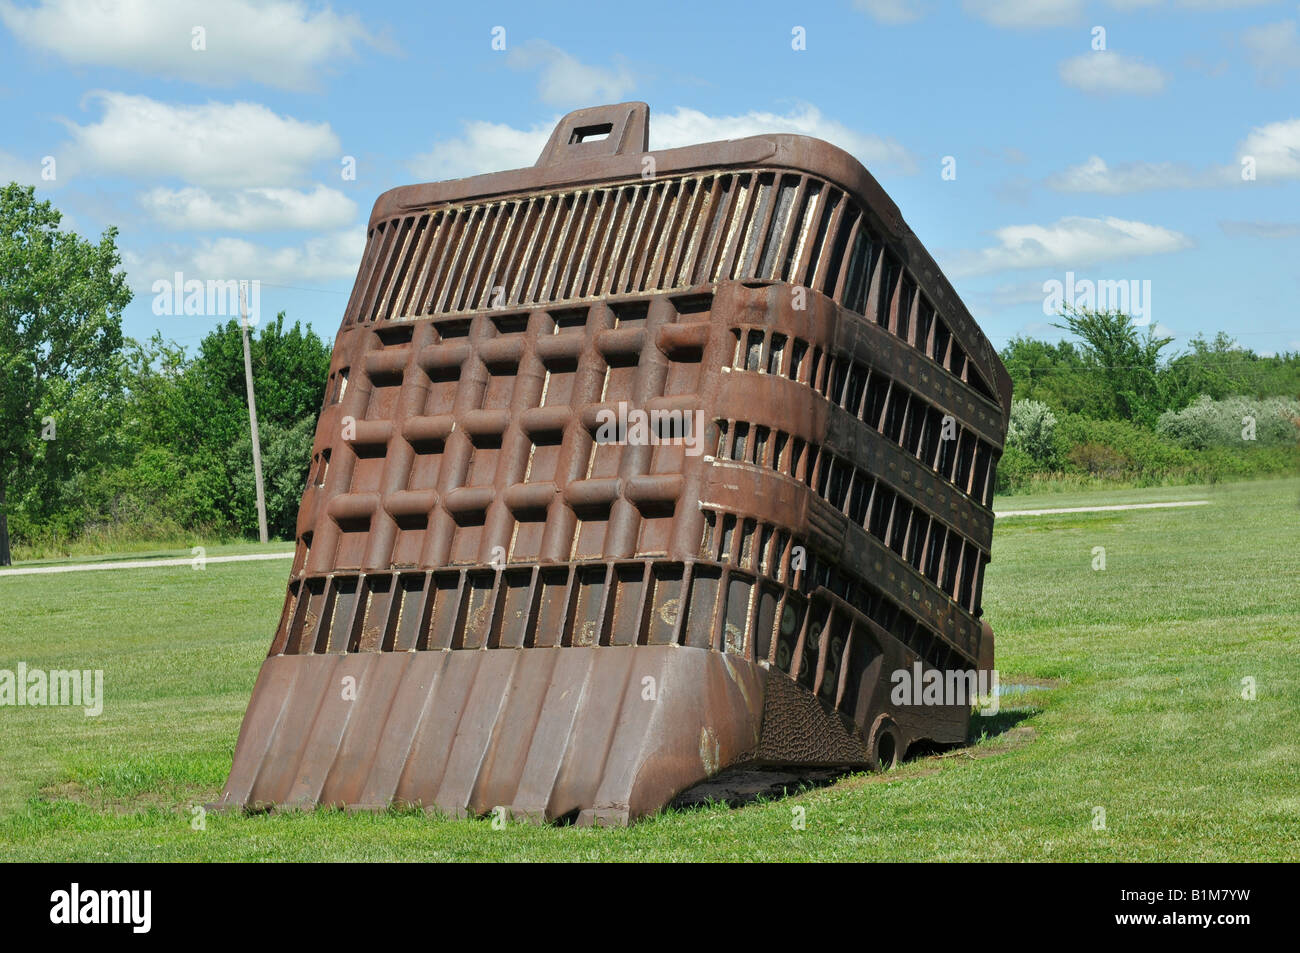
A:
(1109, 72)
(491, 147)
(250, 210)
(484, 147)
(331, 257)
(1096, 176)
(1072, 242)
(564, 81)
(891, 11)
(276, 42)
(216, 144)
(688, 126)
(1275, 148)
(326, 257)
(1020, 14)
(1273, 49)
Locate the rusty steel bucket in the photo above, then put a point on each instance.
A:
(633, 467)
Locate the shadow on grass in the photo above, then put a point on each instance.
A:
(742, 786)
(989, 727)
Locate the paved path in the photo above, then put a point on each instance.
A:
(1102, 509)
(140, 564)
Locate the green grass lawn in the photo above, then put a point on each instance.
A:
(1147, 721)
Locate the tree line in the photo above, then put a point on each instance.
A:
(106, 438)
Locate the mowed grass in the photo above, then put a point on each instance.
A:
(1148, 721)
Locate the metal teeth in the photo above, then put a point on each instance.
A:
(641, 237)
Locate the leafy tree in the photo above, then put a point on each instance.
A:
(290, 369)
(61, 301)
(1128, 363)
(1056, 374)
(286, 457)
(1221, 368)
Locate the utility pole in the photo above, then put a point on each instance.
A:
(252, 414)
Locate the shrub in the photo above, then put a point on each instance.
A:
(1099, 460)
(1114, 447)
(1015, 470)
(1032, 429)
(1208, 423)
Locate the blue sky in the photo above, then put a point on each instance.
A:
(1122, 163)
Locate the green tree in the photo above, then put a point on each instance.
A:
(61, 301)
(290, 369)
(1057, 374)
(1127, 362)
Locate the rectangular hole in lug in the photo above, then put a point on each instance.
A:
(444, 375)
(408, 521)
(355, 524)
(458, 328)
(395, 335)
(510, 323)
(593, 133)
(573, 319)
(693, 307)
(630, 313)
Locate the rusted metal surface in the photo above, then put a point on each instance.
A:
(540, 612)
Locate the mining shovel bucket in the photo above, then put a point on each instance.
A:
(634, 467)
